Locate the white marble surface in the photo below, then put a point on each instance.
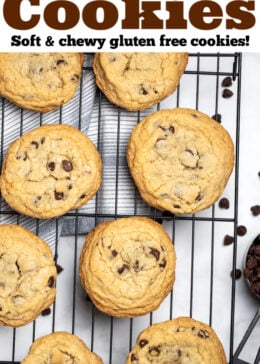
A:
(115, 350)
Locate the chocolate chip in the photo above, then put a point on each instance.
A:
(236, 273)
(133, 357)
(114, 253)
(199, 197)
(223, 203)
(58, 195)
(67, 165)
(23, 156)
(154, 351)
(59, 268)
(163, 263)
(136, 266)
(255, 210)
(203, 334)
(61, 61)
(42, 140)
(226, 82)
(82, 196)
(143, 91)
(179, 352)
(217, 117)
(36, 144)
(51, 282)
(155, 253)
(75, 78)
(241, 230)
(51, 166)
(123, 268)
(143, 342)
(227, 93)
(228, 239)
(169, 129)
(46, 312)
(195, 116)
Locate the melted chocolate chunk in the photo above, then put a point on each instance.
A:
(154, 351)
(155, 253)
(61, 61)
(123, 268)
(58, 195)
(199, 197)
(23, 156)
(75, 78)
(143, 91)
(237, 273)
(133, 357)
(255, 210)
(42, 140)
(203, 334)
(217, 117)
(82, 196)
(51, 166)
(170, 129)
(114, 253)
(59, 268)
(67, 165)
(143, 342)
(163, 263)
(228, 239)
(36, 144)
(51, 282)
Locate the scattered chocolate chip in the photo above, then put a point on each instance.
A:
(59, 268)
(154, 351)
(51, 282)
(223, 203)
(23, 156)
(195, 116)
(155, 253)
(36, 144)
(227, 82)
(236, 273)
(133, 357)
(75, 78)
(67, 165)
(58, 195)
(199, 197)
(42, 140)
(227, 93)
(46, 312)
(169, 129)
(241, 230)
(228, 239)
(136, 266)
(51, 166)
(123, 268)
(114, 253)
(255, 210)
(179, 352)
(203, 334)
(143, 342)
(82, 196)
(216, 117)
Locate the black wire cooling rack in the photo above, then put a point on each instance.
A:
(201, 287)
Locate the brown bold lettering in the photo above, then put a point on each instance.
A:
(11, 12)
(89, 15)
(246, 19)
(198, 13)
(176, 19)
(51, 15)
(133, 15)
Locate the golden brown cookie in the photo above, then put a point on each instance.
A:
(127, 266)
(40, 81)
(50, 170)
(182, 340)
(27, 276)
(60, 348)
(180, 160)
(136, 81)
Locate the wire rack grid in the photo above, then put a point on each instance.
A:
(202, 289)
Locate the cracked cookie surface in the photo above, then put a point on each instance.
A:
(180, 160)
(40, 81)
(127, 266)
(60, 348)
(27, 276)
(50, 170)
(181, 341)
(136, 81)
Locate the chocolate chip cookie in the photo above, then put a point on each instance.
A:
(180, 160)
(50, 170)
(60, 347)
(182, 340)
(40, 81)
(136, 81)
(27, 276)
(127, 266)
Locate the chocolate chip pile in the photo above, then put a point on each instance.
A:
(252, 266)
